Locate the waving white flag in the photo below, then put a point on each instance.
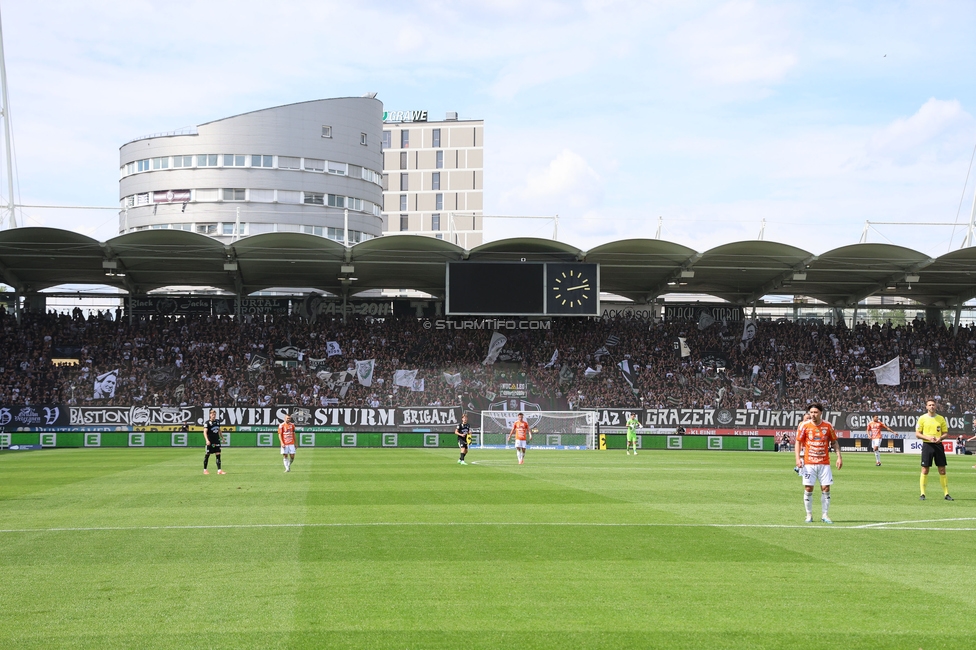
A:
(495, 346)
(888, 374)
(364, 372)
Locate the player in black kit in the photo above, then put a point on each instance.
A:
(463, 432)
(211, 436)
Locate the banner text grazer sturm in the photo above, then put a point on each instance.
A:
(440, 418)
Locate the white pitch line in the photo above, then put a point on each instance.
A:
(914, 521)
(878, 526)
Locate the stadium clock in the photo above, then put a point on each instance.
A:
(572, 289)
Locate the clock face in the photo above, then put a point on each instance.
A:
(572, 289)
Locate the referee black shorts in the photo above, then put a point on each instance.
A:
(933, 451)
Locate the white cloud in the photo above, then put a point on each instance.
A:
(933, 131)
(567, 180)
(737, 43)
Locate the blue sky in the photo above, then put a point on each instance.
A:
(813, 116)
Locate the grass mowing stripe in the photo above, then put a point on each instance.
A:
(879, 526)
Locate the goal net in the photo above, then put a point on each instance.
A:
(550, 429)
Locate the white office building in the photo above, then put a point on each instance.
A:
(314, 167)
(433, 177)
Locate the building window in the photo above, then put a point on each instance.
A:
(435, 222)
(262, 161)
(231, 160)
(404, 182)
(142, 165)
(439, 236)
(233, 194)
(387, 139)
(403, 160)
(314, 198)
(130, 168)
(160, 163)
(182, 161)
(363, 140)
(342, 169)
(314, 165)
(142, 199)
(207, 160)
(439, 160)
(354, 204)
(404, 138)
(289, 162)
(228, 228)
(403, 203)
(312, 230)
(435, 181)
(336, 201)
(207, 228)
(435, 138)
(326, 131)
(438, 201)
(182, 226)
(386, 182)
(404, 222)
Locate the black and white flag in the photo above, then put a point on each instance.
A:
(566, 374)
(364, 371)
(257, 362)
(404, 378)
(553, 360)
(804, 370)
(705, 320)
(748, 333)
(495, 346)
(105, 384)
(332, 349)
(316, 364)
(628, 375)
(602, 352)
(681, 347)
(287, 352)
(613, 340)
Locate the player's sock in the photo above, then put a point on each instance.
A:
(808, 502)
(922, 481)
(217, 456)
(284, 461)
(944, 480)
(825, 503)
(463, 454)
(877, 456)
(206, 459)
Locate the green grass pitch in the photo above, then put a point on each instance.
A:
(373, 548)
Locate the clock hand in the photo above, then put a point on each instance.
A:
(582, 286)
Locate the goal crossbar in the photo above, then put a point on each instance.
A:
(549, 429)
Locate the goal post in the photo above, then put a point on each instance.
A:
(550, 429)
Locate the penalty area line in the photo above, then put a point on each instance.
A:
(392, 524)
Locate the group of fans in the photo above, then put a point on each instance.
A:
(218, 360)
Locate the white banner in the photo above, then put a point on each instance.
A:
(364, 372)
(332, 349)
(452, 380)
(804, 370)
(404, 378)
(683, 345)
(495, 346)
(888, 374)
(105, 384)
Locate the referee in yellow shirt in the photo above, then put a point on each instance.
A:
(932, 429)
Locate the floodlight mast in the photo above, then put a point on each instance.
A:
(5, 112)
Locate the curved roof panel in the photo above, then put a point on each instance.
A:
(32, 259)
(638, 269)
(742, 272)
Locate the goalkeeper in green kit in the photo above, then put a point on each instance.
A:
(632, 425)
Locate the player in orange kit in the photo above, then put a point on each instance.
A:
(874, 433)
(286, 436)
(816, 437)
(522, 435)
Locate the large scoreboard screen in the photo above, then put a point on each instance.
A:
(522, 289)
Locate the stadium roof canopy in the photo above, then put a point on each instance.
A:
(34, 259)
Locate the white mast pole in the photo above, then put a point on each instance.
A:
(6, 132)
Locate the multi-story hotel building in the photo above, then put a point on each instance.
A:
(433, 177)
(296, 168)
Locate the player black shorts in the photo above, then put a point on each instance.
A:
(462, 442)
(933, 451)
(213, 449)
